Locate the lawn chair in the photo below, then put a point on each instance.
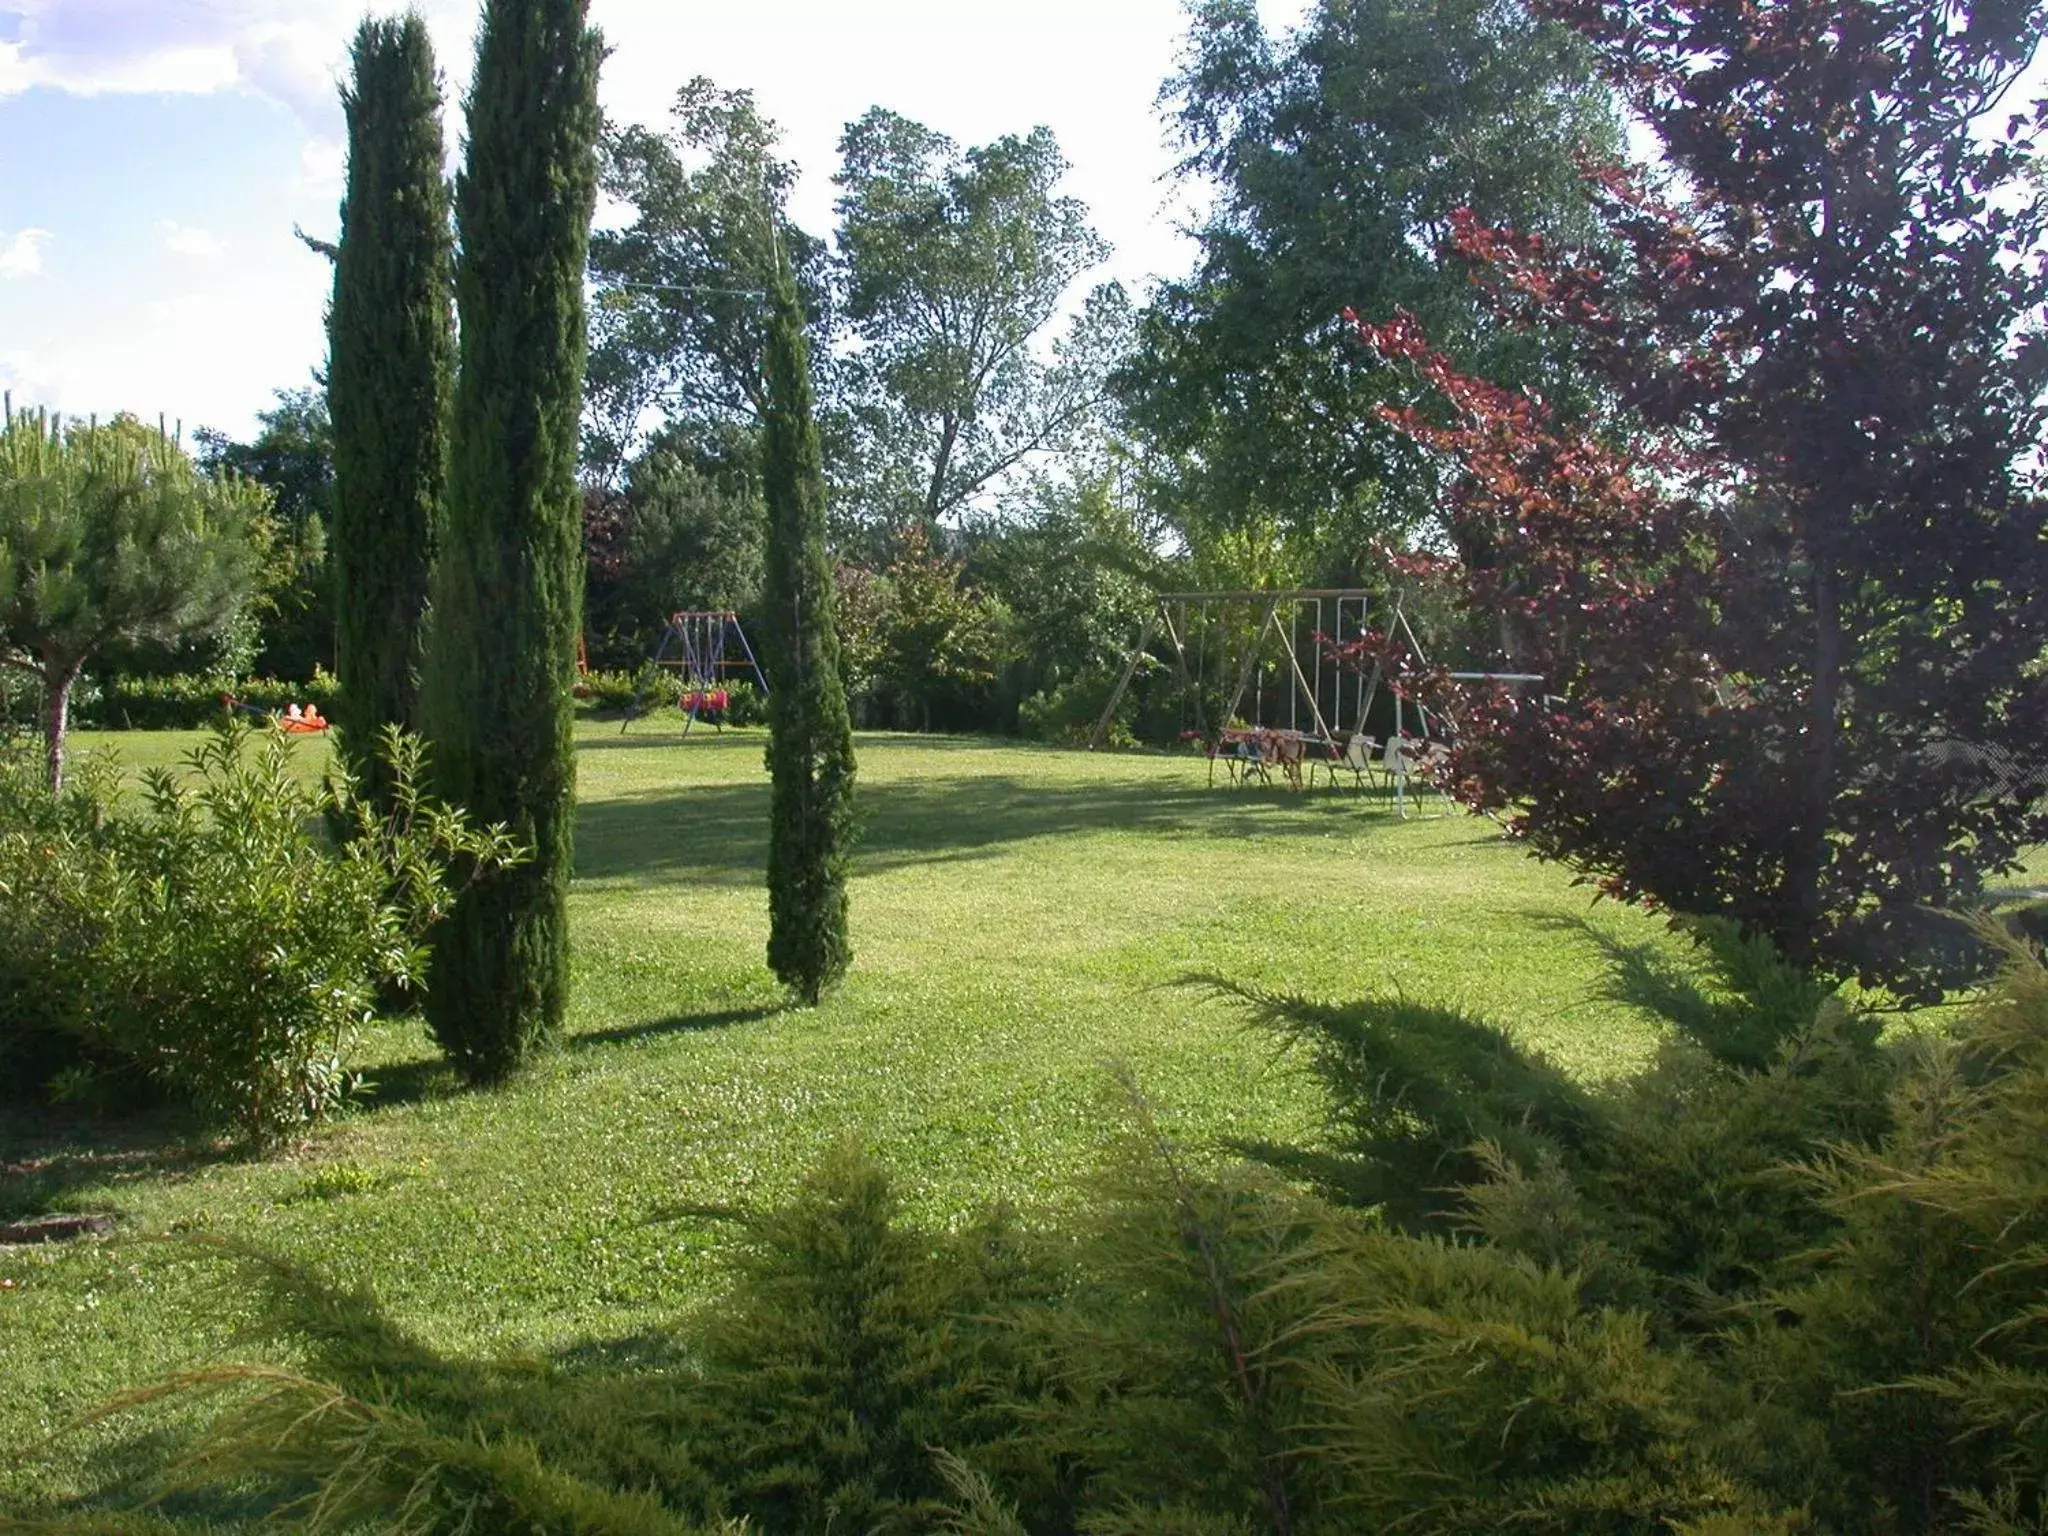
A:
(1239, 756)
(1355, 759)
(1286, 751)
(1394, 761)
(1433, 768)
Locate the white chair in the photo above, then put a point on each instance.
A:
(1357, 759)
(1394, 760)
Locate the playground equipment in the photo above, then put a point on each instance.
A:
(293, 719)
(698, 644)
(1304, 712)
(1251, 626)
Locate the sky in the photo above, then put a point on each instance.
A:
(158, 155)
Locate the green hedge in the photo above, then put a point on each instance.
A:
(615, 692)
(182, 702)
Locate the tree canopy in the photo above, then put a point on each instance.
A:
(110, 532)
(1337, 155)
(680, 318)
(954, 262)
(1791, 600)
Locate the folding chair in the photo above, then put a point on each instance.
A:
(1433, 768)
(1355, 759)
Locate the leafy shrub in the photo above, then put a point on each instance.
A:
(1066, 714)
(212, 943)
(55, 872)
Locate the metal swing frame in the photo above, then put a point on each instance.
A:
(1280, 612)
(699, 638)
(1171, 616)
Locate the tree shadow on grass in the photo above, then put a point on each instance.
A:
(1734, 997)
(48, 1160)
(1415, 1089)
(719, 833)
(399, 1083)
(676, 1024)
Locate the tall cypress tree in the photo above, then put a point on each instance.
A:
(508, 582)
(390, 344)
(810, 750)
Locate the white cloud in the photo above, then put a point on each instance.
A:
(323, 165)
(22, 255)
(26, 381)
(291, 51)
(296, 66)
(184, 240)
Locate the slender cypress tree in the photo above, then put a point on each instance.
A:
(390, 343)
(810, 750)
(508, 580)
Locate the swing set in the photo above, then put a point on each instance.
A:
(697, 644)
(1290, 705)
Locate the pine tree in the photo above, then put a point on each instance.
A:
(390, 344)
(508, 583)
(810, 751)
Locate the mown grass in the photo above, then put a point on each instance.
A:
(1022, 918)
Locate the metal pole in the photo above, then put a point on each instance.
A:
(1295, 662)
(1400, 760)
(1116, 696)
(1250, 664)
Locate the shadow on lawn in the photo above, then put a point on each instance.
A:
(720, 832)
(1415, 1088)
(409, 1082)
(676, 1024)
(47, 1160)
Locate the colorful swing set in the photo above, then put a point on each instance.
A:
(293, 719)
(696, 644)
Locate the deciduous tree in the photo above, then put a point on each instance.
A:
(679, 324)
(1795, 600)
(1338, 154)
(953, 263)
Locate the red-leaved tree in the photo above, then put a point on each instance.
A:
(1792, 597)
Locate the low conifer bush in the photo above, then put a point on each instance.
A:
(1785, 1279)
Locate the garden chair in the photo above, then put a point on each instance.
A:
(1394, 761)
(1240, 757)
(1355, 759)
(1283, 750)
(1433, 769)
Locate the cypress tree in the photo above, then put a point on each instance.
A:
(508, 581)
(810, 749)
(390, 341)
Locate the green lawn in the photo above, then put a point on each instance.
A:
(1022, 917)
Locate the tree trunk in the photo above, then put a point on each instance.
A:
(949, 434)
(58, 678)
(1808, 855)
